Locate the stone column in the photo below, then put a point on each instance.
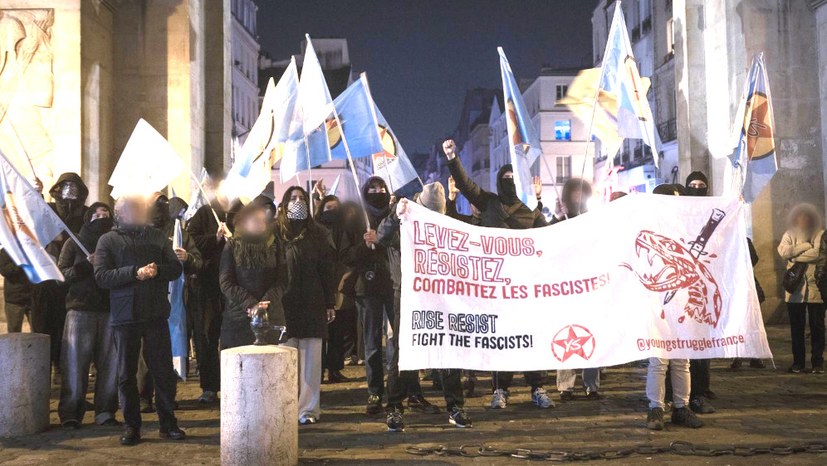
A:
(259, 406)
(25, 385)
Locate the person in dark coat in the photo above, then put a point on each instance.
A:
(502, 209)
(87, 336)
(135, 262)
(252, 272)
(17, 293)
(162, 215)
(69, 195)
(210, 237)
(309, 302)
(343, 328)
(388, 234)
(374, 301)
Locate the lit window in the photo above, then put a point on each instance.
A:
(562, 130)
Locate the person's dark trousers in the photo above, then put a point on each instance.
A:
(798, 318)
(534, 379)
(158, 355)
(49, 313)
(14, 317)
(699, 373)
(146, 387)
(207, 332)
(452, 388)
(372, 312)
(87, 338)
(401, 384)
(334, 353)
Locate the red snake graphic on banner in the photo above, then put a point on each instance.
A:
(681, 269)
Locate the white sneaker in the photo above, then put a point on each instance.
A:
(540, 398)
(499, 399)
(304, 420)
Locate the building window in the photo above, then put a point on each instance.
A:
(670, 39)
(562, 130)
(563, 169)
(562, 90)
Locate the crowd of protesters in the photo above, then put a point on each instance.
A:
(330, 271)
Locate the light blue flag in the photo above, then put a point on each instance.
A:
(28, 224)
(392, 163)
(178, 313)
(523, 141)
(754, 161)
(358, 128)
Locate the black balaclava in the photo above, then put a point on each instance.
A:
(159, 212)
(69, 193)
(92, 230)
(506, 189)
(696, 176)
(177, 208)
(378, 201)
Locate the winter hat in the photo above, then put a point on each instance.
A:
(433, 197)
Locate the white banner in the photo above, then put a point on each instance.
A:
(644, 276)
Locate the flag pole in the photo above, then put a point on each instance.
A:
(206, 198)
(310, 170)
(22, 148)
(352, 168)
(364, 78)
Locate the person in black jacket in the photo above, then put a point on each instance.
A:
(87, 336)
(501, 210)
(374, 300)
(209, 236)
(162, 215)
(69, 195)
(135, 262)
(17, 293)
(343, 328)
(432, 197)
(311, 293)
(251, 273)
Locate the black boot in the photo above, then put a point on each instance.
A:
(131, 436)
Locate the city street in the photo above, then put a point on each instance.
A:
(755, 408)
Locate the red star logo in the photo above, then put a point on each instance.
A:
(573, 340)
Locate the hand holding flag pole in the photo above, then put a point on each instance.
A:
(206, 198)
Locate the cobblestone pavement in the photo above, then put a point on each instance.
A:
(755, 407)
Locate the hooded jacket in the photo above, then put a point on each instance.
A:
(195, 262)
(119, 255)
(344, 239)
(202, 228)
(503, 210)
(373, 276)
(83, 293)
(70, 212)
(16, 286)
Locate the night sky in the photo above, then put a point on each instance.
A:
(422, 55)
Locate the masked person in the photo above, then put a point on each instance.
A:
(388, 234)
(573, 202)
(87, 336)
(678, 372)
(49, 298)
(210, 236)
(135, 262)
(343, 328)
(374, 301)
(501, 210)
(252, 273)
(800, 248)
(162, 215)
(310, 297)
(697, 185)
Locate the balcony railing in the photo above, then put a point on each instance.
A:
(668, 130)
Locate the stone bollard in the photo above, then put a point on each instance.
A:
(259, 406)
(25, 372)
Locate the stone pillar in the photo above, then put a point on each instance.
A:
(259, 406)
(25, 385)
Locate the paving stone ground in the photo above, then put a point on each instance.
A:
(755, 407)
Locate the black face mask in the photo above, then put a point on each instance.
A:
(378, 200)
(330, 217)
(508, 188)
(100, 226)
(700, 192)
(160, 214)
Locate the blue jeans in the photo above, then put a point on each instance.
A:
(87, 338)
